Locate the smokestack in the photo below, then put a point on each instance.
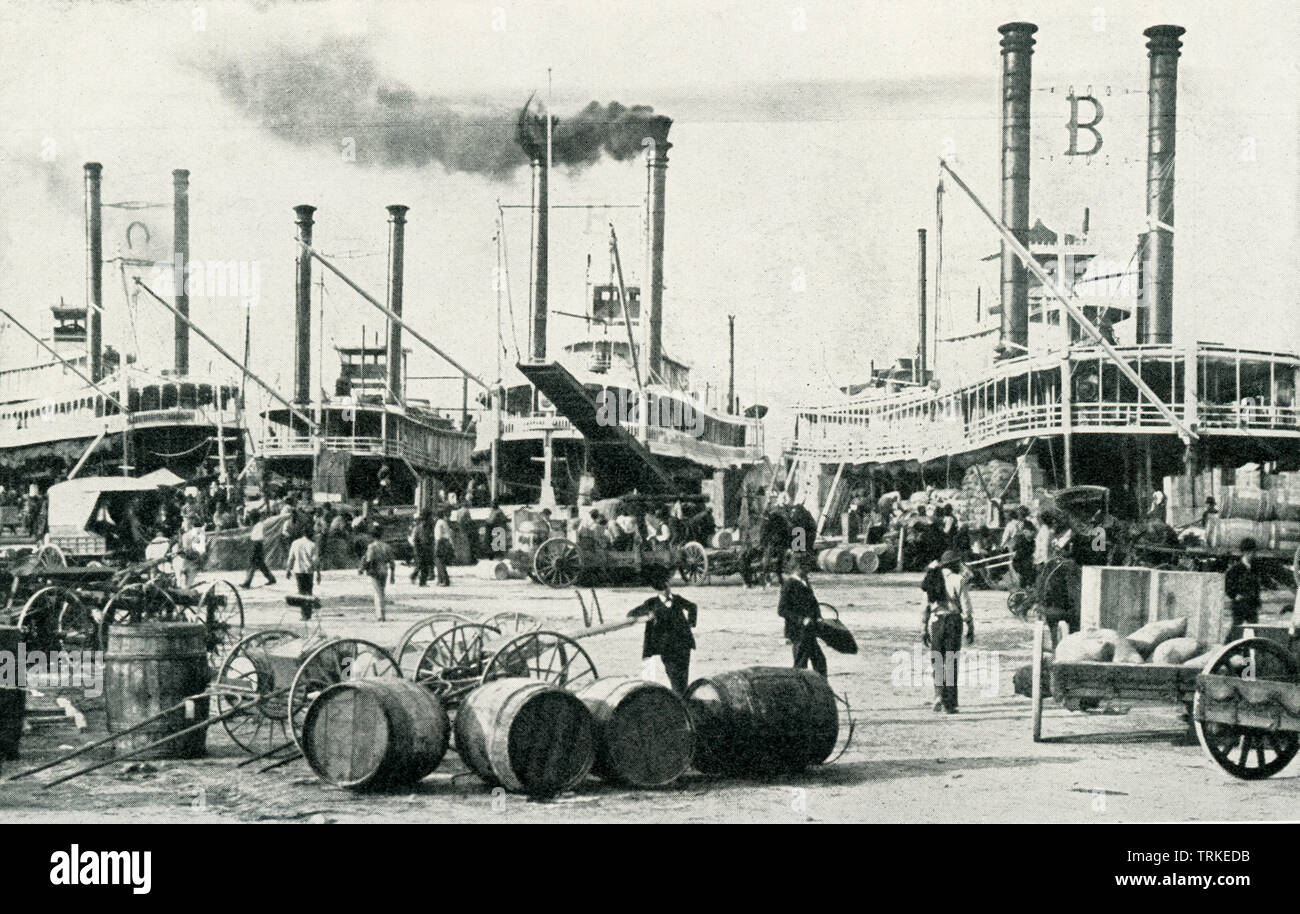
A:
(541, 246)
(922, 344)
(181, 236)
(1017, 56)
(731, 362)
(656, 175)
(1155, 317)
(302, 311)
(94, 273)
(396, 259)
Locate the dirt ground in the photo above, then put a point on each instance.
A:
(905, 763)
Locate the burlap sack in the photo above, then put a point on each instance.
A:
(1146, 638)
(1176, 651)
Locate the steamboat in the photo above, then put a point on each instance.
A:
(1080, 389)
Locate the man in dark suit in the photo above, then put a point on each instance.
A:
(1241, 584)
(668, 630)
(774, 541)
(798, 606)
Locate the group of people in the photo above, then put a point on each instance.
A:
(633, 528)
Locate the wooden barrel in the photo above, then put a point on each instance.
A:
(643, 733)
(837, 560)
(1286, 504)
(1245, 504)
(723, 539)
(1284, 535)
(865, 559)
(1228, 533)
(528, 736)
(762, 720)
(375, 733)
(13, 700)
(148, 668)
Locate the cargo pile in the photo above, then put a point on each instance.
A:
(1271, 517)
(1162, 643)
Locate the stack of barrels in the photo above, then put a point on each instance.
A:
(1271, 517)
(855, 559)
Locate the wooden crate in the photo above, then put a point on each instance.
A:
(1125, 599)
(1114, 597)
(1196, 595)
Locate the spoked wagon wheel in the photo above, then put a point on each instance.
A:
(341, 660)
(252, 668)
(135, 603)
(548, 656)
(1249, 753)
(221, 609)
(557, 563)
(420, 635)
(50, 556)
(1018, 602)
(453, 663)
(694, 564)
(512, 623)
(42, 615)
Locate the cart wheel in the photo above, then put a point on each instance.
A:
(1018, 603)
(1249, 753)
(249, 671)
(221, 609)
(453, 663)
(512, 623)
(557, 563)
(50, 556)
(39, 618)
(693, 564)
(135, 603)
(548, 656)
(419, 636)
(341, 660)
(78, 627)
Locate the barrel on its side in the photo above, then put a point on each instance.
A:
(148, 668)
(375, 733)
(1286, 504)
(13, 701)
(643, 733)
(1227, 533)
(837, 560)
(866, 560)
(1284, 535)
(762, 720)
(528, 736)
(723, 539)
(1245, 504)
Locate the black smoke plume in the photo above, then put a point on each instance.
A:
(334, 94)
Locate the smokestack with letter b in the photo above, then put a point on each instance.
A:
(1155, 317)
(1017, 57)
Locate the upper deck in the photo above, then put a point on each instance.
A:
(1231, 392)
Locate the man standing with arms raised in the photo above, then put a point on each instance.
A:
(668, 629)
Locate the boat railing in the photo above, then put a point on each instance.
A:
(452, 450)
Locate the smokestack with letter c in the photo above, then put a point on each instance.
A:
(1155, 317)
(1017, 57)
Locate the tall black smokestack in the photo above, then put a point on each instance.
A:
(396, 268)
(656, 176)
(1017, 57)
(541, 246)
(731, 364)
(1155, 317)
(302, 311)
(922, 344)
(95, 273)
(181, 249)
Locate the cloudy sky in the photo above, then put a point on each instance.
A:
(806, 139)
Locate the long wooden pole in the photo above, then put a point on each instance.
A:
(390, 315)
(66, 364)
(306, 420)
(1049, 286)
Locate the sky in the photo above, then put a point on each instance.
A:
(806, 140)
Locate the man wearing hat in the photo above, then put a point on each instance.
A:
(799, 607)
(947, 605)
(668, 629)
(1241, 585)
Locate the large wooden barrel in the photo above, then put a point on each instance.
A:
(1284, 536)
(866, 560)
(762, 720)
(643, 733)
(1241, 503)
(1228, 533)
(375, 733)
(13, 700)
(528, 736)
(837, 560)
(148, 668)
(723, 539)
(1285, 504)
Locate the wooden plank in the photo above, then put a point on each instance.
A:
(1115, 597)
(1197, 596)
